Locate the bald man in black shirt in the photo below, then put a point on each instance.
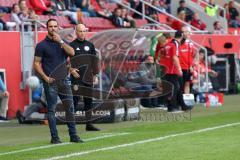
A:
(84, 70)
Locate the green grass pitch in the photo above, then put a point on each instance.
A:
(185, 139)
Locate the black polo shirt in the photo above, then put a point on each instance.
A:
(53, 58)
(85, 59)
(83, 47)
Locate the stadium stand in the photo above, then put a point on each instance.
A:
(63, 21)
(6, 17)
(8, 3)
(97, 24)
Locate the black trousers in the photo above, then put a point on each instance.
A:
(88, 105)
(176, 99)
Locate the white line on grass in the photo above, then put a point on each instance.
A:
(140, 142)
(108, 135)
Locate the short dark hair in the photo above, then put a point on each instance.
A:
(51, 19)
(178, 34)
(182, 1)
(201, 50)
(215, 23)
(20, 1)
(13, 6)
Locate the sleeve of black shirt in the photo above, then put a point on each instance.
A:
(39, 51)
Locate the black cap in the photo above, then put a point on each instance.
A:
(178, 34)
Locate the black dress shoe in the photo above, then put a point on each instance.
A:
(55, 140)
(90, 127)
(3, 118)
(187, 108)
(20, 117)
(76, 139)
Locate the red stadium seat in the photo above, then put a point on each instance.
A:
(8, 3)
(202, 4)
(97, 24)
(163, 18)
(140, 22)
(6, 17)
(63, 21)
(111, 6)
(233, 31)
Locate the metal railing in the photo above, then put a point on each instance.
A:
(26, 30)
(144, 16)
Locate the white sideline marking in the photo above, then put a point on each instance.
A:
(63, 144)
(140, 142)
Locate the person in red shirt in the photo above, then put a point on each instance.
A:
(196, 22)
(186, 60)
(160, 49)
(176, 24)
(42, 6)
(173, 72)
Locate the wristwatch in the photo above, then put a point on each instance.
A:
(62, 42)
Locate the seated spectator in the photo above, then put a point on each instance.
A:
(218, 29)
(101, 10)
(146, 73)
(4, 96)
(70, 5)
(196, 22)
(162, 6)
(133, 3)
(14, 14)
(152, 12)
(38, 104)
(116, 17)
(176, 24)
(212, 8)
(86, 8)
(182, 7)
(5, 9)
(137, 5)
(22, 5)
(3, 25)
(43, 7)
(62, 11)
(127, 19)
(226, 10)
(24, 17)
(144, 80)
(233, 15)
(168, 6)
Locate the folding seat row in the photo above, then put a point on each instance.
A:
(97, 23)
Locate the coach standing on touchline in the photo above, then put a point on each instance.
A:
(50, 63)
